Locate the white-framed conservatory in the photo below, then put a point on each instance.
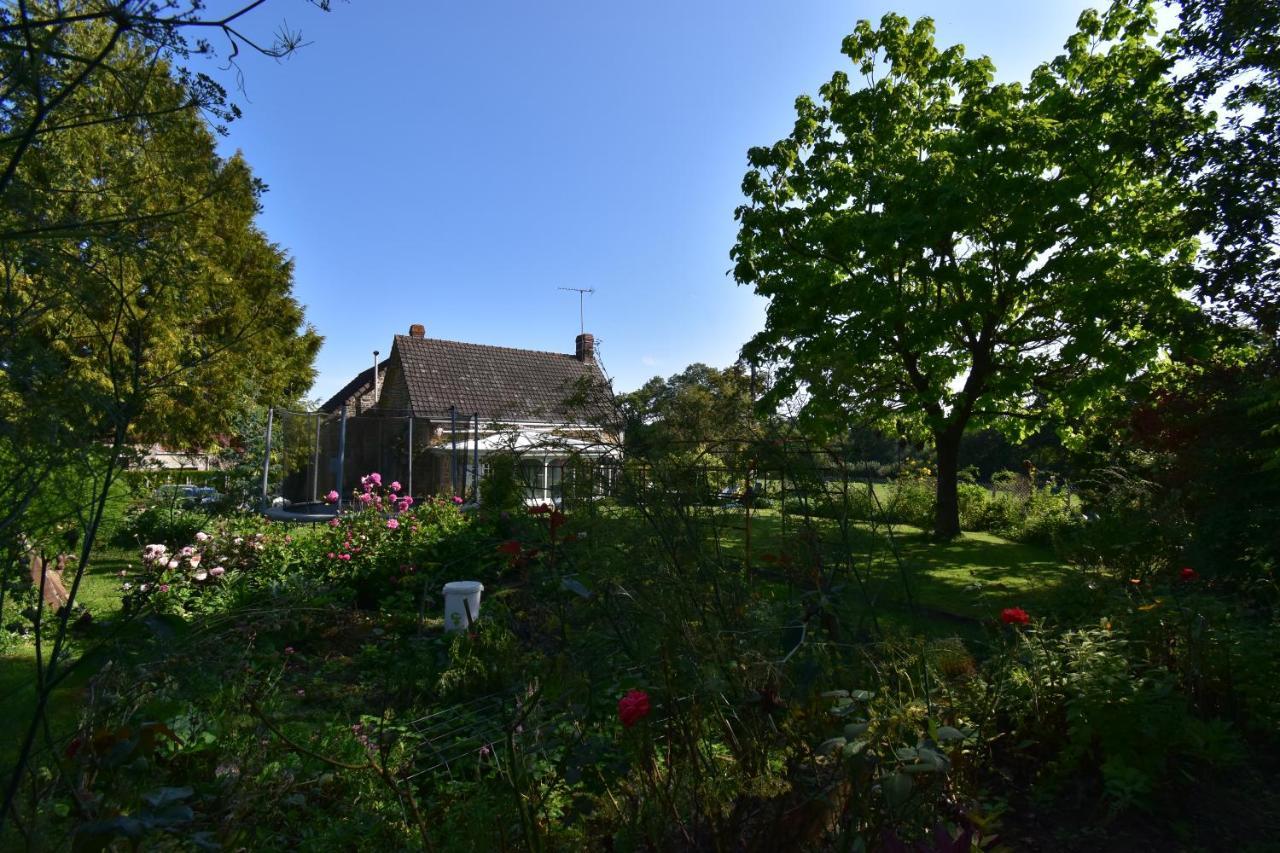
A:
(545, 458)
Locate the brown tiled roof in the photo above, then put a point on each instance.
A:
(357, 386)
(498, 383)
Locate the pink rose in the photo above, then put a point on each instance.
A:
(395, 485)
(392, 524)
(332, 497)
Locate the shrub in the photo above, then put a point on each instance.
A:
(1127, 529)
(912, 502)
(166, 523)
(1099, 708)
(1048, 518)
(195, 576)
(372, 551)
(501, 488)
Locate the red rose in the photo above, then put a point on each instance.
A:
(633, 707)
(1188, 574)
(557, 519)
(1014, 616)
(511, 547)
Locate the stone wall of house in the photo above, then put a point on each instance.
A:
(395, 391)
(364, 400)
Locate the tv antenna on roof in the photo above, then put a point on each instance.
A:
(582, 292)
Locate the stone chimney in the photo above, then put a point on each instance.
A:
(585, 347)
(417, 330)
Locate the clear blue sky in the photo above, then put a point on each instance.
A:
(452, 164)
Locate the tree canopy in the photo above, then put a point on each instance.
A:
(1232, 51)
(943, 251)
(140, 301)
(699, 408)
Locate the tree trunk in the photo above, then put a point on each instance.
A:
(946, 519)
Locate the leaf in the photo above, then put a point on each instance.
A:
(829, 746)
(174, 814)
(854, 748)
(897, 789)
(855, 729)
(165, 626)
(575, 586)
(98, 835)
(949, 733)
(164, 796)
(204, 841)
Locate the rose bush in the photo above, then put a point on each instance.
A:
(191, 578)
(373, 548)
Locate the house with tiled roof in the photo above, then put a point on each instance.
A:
(448, 405)
(359, 395)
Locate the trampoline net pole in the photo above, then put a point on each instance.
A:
(342, 455)
(315, 463)
(266, 457)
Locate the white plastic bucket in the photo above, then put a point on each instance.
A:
(459, 598)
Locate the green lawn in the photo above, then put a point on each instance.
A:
(909, 579)
(99, 592)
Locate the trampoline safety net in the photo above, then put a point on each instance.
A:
(313, 453)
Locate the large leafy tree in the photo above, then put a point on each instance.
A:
(89, 90)
(700, 408)
(139, 302)
(942, 251)
(1231, 50)
(166, 311)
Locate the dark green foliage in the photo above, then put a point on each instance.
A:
(1185, 472)
(501, 488)
(168, 523)
(699, 407)
(1105, 713)
(1232, 48)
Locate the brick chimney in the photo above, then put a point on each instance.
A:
(585, 347)
(417, 330)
